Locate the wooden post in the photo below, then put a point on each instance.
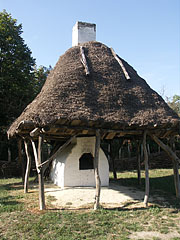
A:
(96, 170)
(19, 151)
(175, 161)
(139, 162)
(146, 197)
(129, 150)
(26, 183)
(142, 153)
(35, 155)
(40, 176)
(176, 171)
(20, 158)
(9, 154)
(113, 161)
(176, 178)
(148, 150)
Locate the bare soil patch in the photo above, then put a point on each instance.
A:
(80, 197)
(155, 235)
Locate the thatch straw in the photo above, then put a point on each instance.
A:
(104, 96)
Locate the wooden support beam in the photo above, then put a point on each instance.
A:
(28, 167)
(174, 159)
(176, 178)
(139, 162)
(111, 135)
(83, 60)
(121, 64)
(35, 156)
(91, 128)
(20, 158)
(146, 198)
(113, 161)
(60, 149)
(166, 148)
(35, 132)
(40, 176)
(175, 170)
(9, 154)
(96, 170)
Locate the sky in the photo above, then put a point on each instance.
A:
(145, 33)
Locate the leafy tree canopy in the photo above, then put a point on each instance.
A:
(20, 79)
(41, 74)
(174, 103)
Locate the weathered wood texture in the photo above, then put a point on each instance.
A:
(35, 132)
(139, 162)
(175, 161)
(166, 148)
(40, 176)
(113, 161)
(146, 197)
(96, 170)
(121, 64)
(20, 159)
(176, 178)
(45, 164)
(35, 156)
(175, 170)
(83, 60)
(28, 167)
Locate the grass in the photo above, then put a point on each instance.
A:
(160, 180)
(21, 219)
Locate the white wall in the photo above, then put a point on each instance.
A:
(65, 168)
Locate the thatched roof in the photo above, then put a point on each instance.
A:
(105, 98)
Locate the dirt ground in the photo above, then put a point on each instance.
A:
(83, 197)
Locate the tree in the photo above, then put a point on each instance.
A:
(41, 74)
(16, 71)
(175, 103)
(20, 79)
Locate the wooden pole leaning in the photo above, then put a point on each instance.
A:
(96, 170)
(174, 159)
(28, 167)
(146, 197)
(40, 176)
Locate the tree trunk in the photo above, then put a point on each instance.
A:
(96, 170)
(146, 197)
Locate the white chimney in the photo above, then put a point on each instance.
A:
(83, 32)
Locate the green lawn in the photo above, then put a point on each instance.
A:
(21, 219)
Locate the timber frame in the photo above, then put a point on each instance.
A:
(94, 92)
(41, 134)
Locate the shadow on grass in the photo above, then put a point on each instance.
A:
(16, 184)
(10, 204)
(162, 189)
